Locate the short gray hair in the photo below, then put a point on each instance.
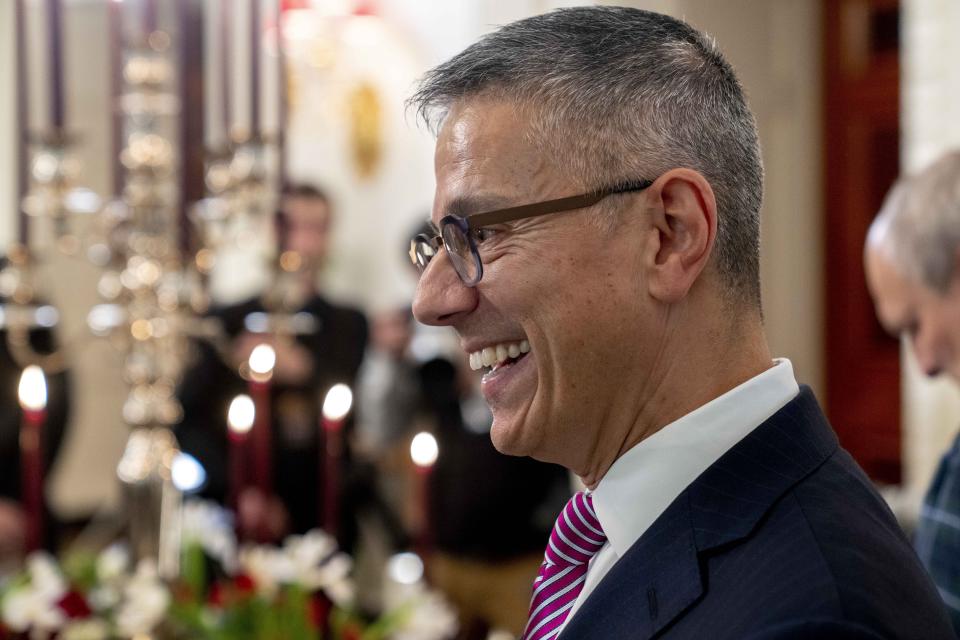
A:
(919, 223)
(623, 94)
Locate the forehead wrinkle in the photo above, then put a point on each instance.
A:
(484, 162)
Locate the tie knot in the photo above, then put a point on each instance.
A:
(577, 534)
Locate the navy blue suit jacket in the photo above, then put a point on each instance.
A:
(783, 537)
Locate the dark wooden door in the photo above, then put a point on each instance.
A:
(862, 148)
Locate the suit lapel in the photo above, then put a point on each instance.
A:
(728, 499)
(660, 576)
(651, 585)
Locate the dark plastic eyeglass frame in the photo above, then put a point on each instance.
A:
(467, 224)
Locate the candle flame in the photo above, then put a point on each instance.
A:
(262, 359)
(338, 402)
(33, 389)
(241, 414)
(424, 449)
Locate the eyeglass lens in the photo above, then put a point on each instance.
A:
(464, 259)
(423, 251)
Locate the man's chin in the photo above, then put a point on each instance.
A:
(507, 438)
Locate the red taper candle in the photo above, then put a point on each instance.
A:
(33, 400)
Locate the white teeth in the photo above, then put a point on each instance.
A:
(493, 355)
(489, 356)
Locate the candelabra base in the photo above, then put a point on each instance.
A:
(152, 501)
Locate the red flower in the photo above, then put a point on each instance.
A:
(215, 596)
(74, 605)
(244, 584)
(319, 610)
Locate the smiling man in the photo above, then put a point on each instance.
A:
(911, 259)
(596, 248)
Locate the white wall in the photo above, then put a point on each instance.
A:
(376, 215)
(775, 48)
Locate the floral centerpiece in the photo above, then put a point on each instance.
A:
(300, 591)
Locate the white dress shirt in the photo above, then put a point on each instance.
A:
(642, 483)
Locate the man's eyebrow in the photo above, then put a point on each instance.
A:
(464, 206)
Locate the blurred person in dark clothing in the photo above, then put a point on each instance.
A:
(307, 365)
(491, 514)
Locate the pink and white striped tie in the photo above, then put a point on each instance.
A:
(576, 537)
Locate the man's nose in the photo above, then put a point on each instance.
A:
(441, 296)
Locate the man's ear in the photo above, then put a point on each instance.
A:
(684, 225)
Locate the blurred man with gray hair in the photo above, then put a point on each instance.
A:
(595, 246)
(912, 254)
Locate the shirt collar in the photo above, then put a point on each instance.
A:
(642, 483)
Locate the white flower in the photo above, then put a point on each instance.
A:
(113, 563)
(145, 601)
(25, 609)
(310, 561)
(268, 567)
(312, 548)
(317, 565)
(430, 617)
(104, 598)
(45, 576)
(334, 578)
(211, 526)
(34, 605)
(90, 629)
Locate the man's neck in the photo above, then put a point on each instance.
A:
(699, 371)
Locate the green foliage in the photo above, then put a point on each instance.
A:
(80, 570)
(247, 616)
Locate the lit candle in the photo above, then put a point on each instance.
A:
(261, 363)
(20, 52)
(117, 46)
(336, 406)
(149, 17)
(254, 68)
(240, 419)
(282, 105)
(55, 73)
(226, 24)
(424, 452)
(33, 400)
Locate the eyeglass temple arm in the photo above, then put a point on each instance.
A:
(551, 206)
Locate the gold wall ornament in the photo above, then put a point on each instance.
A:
(294, 85)
(365, 109)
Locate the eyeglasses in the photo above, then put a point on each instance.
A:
(458, 234)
